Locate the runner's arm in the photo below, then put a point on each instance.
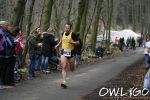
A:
(58, 44)
(74, 40)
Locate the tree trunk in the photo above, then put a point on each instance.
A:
(29, 23)
(126, 15)
(45, 23)
(58, 17)
(42, 12)
(134, 12)
(69, 10)
(3, 9)
(104, 25)
(81, 7)
(148, 12)
(109, 21)
(142, 17)
(149, 29)
(83, 22)
(88, 28)
(18, 12)
(95, 24)
(146, 16)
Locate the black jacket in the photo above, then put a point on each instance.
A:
(48, 45)
(78, 48)
(33, 43)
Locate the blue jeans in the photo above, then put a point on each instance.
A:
(147, 65)
(78, 59)
(44, 63)
(38, 62)
(32, 57)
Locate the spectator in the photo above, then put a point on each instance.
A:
(100, 51)
(116, 42)
(38, 51)
(18, 36)
(133, 43)
(146, 53)
(140, 41)
(33, 47)
(121, 44)
(48, 45)
(7, 55)
(128, 43)
(78, 49)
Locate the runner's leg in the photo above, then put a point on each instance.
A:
(64, 64)
(72, 63)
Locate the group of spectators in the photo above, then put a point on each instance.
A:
(41, 50)
(11, 47)
(130, 43)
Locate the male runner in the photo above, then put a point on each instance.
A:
(68, 42)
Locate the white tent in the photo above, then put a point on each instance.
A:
(120, 34)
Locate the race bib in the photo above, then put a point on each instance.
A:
(67, 53)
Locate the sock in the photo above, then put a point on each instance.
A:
(64, 82)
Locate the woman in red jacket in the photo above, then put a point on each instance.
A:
(19, 47)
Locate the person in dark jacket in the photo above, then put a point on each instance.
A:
(133, 43)
(121, 44)
(38, 51)
(7, 55)
(78, 50)
(33, 49)
(100, 51)
(48, 45)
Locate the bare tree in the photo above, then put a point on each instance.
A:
(95, 24)
(83, 21)
(81, 6)
(18, 12)
(28, 28)
(45, 23)
(90, 23)
(58, 10)
(69, 9)
(109, 22)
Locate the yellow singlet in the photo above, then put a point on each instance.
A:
(65, 42)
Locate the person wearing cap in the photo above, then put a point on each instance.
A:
(7, 55)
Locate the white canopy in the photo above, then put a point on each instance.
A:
(120, 34)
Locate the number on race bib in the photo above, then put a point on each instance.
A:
(67, 53)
